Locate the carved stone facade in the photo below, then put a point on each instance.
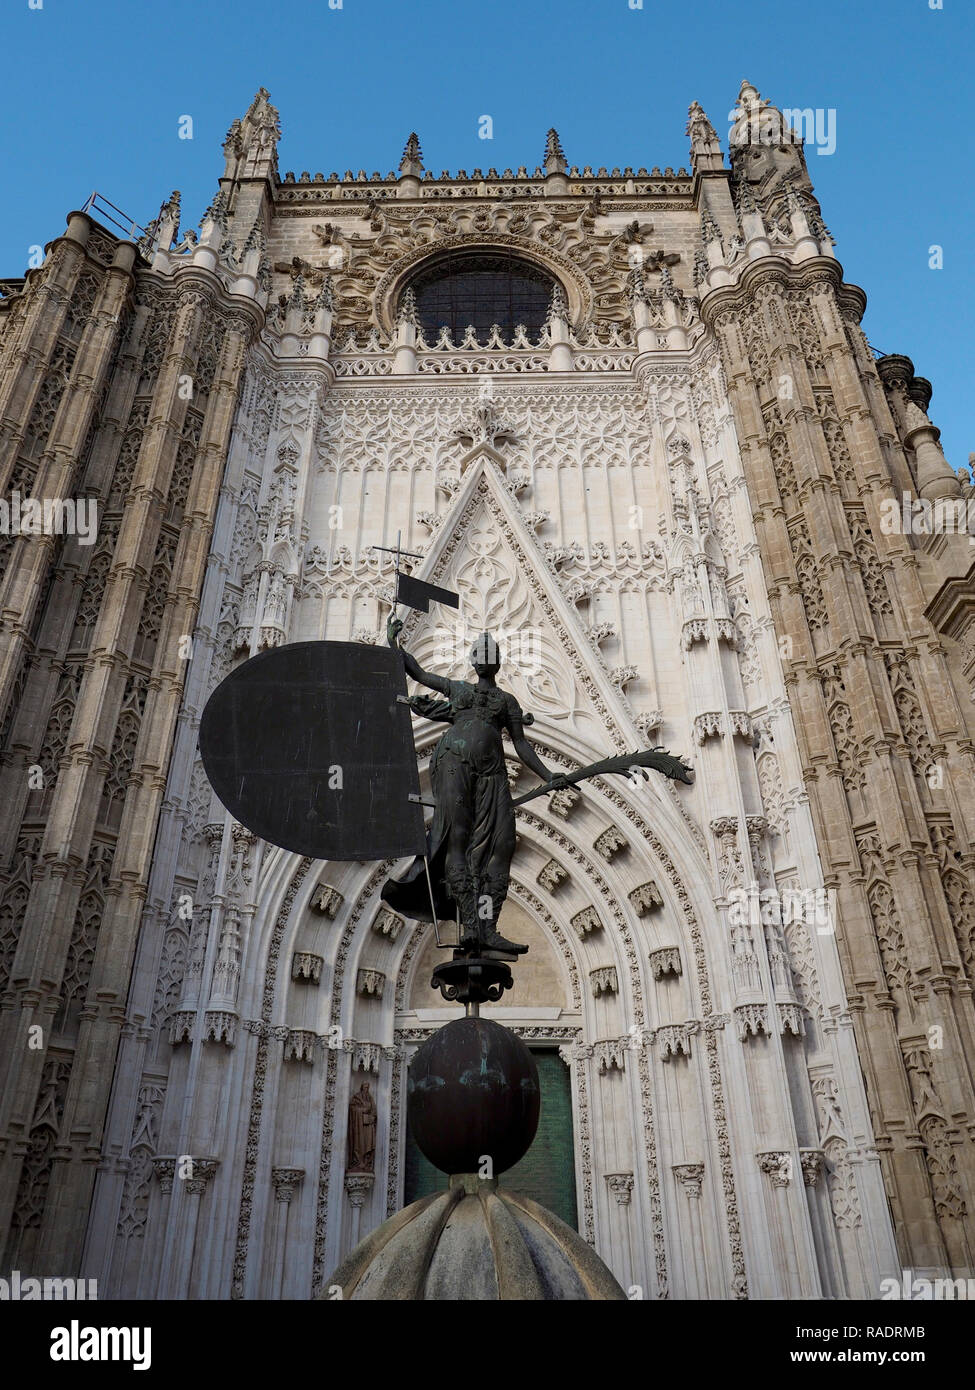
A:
(665, 503)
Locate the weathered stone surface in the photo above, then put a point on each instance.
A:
(474, 1242)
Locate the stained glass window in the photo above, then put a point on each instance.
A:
(482, 289)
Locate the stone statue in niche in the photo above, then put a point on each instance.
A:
(362, 1131)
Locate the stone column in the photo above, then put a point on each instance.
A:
(286, 1182)
(407, 324)
(777, 1165)
(23, 581)
(842, 588)
(621, 1187)
(827, 1258)
(691, 1178)
(88, 1094)
(934, 477)
(164, 1170)
(358, 1186)
(178, 1280)
(560, 350)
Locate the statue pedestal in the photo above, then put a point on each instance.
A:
(477, 979)
(358, 1186)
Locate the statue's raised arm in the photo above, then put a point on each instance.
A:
(414, 670)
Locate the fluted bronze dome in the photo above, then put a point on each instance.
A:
(473, 1242)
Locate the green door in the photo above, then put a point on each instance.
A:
(547, 1173)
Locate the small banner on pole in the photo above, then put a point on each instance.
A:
(416, 594)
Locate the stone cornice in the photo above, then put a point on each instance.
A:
(188, 278)
(804, 275)
(953, 606)
(343, 192)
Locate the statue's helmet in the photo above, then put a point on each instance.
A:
(485, 651)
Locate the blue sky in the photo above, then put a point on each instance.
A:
(94, 91)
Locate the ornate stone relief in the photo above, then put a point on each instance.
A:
(370, 983)
(620, 1186)
(665, 962)
(305, 965)
(327, 900)
(551, 875)
(585, 922)
(603, 981)
(388, 924)
(609, 843)
(646, 898)
(776, 1164)
(691, 1177)
(751, 1020)
(286, 1182)
(673, 1039)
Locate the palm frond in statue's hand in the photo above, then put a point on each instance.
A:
(657, 758)
(662, 760)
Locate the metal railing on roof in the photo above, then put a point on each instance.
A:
(105, 210)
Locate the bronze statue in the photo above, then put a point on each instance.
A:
(472, 838)
(343, 706)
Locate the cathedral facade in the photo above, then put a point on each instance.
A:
(632, 419)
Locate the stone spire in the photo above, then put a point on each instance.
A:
(558, 309)
(557, 323)
(709, 260)
(709, 228)
(668, 289)
(251, 146)
(758, 123)
(554, 153)
(253, 249)
(556, 182)
(747, 112)
(412, 162)
(407, 334)
(163, 231)
(705, 146)
(232, 141)
(407, 308)
(753, 230)
(410, 168)
(214, 224)
(806, 244)
(766, 152)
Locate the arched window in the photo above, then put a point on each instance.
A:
(482, 288)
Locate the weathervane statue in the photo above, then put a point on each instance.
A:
(471, 841)
(472, 838)
(309, 746)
